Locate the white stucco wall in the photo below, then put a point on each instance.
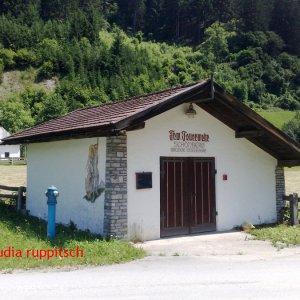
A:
(247, 195)
(63, 164)
(3, 133)
(14, 150)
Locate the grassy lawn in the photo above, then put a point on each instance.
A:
(27, 233)
(280, 236)
(293, 169)
(278, 118)
(292, 180)
(13, 175)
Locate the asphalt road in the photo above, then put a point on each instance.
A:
(164, 277)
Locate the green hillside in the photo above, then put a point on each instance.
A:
(57, 56)
(278, 118)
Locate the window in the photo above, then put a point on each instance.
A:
(6, 154)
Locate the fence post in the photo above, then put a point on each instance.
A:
(294, 203)
(20, 197)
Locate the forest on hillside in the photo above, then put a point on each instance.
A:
(107, 50)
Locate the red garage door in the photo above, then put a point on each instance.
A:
(187, 202)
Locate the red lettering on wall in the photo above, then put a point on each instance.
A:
(187, 136)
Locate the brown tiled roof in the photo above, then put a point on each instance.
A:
(130, 114)
(101, 116)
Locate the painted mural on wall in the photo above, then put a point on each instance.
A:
(93, 186)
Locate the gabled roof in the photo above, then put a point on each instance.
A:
(3, 133)
(114, 118)
(105, 117)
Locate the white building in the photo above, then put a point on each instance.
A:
(156, 166)
(8, 151)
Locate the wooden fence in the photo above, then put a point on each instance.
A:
(13, 161)
(294, 205)
(17, 193)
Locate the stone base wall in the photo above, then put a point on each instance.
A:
(280, 192)
(115, 205)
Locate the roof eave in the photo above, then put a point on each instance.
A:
(108, 130)
(259, 126)
(288, 163)
(259, 120)
(183, 97)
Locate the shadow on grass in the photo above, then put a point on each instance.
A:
(268, 225)
(34, 227)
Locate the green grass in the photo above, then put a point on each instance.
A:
(293, 169)
(278, 118)
(280, 235)
(25, 233)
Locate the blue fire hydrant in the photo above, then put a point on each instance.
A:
(52, 194)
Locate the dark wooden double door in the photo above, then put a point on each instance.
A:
(187, 188)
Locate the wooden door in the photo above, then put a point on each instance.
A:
(202, 193)
(187, 195)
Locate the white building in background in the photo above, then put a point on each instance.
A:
(8, 151)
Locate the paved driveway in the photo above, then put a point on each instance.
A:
(227, 244)
(217, 266)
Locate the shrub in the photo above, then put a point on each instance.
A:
(25, 58)
(46, 71)
(247, 56)
(292, 128)
(8, 56)
(286, 215)
(287, 102)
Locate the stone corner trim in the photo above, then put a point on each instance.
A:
(115, 203)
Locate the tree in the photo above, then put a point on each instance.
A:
(13, 7)
(138, 12)
(54, 106)
(292, 128)
(257, 14)
(286, 22)
(153, 18)
(25, 58)
(117, 53)
(173, 13)
(13, 115)
(216, 41)
(7, 57)
(48, 50)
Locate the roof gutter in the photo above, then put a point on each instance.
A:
(63, 135)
